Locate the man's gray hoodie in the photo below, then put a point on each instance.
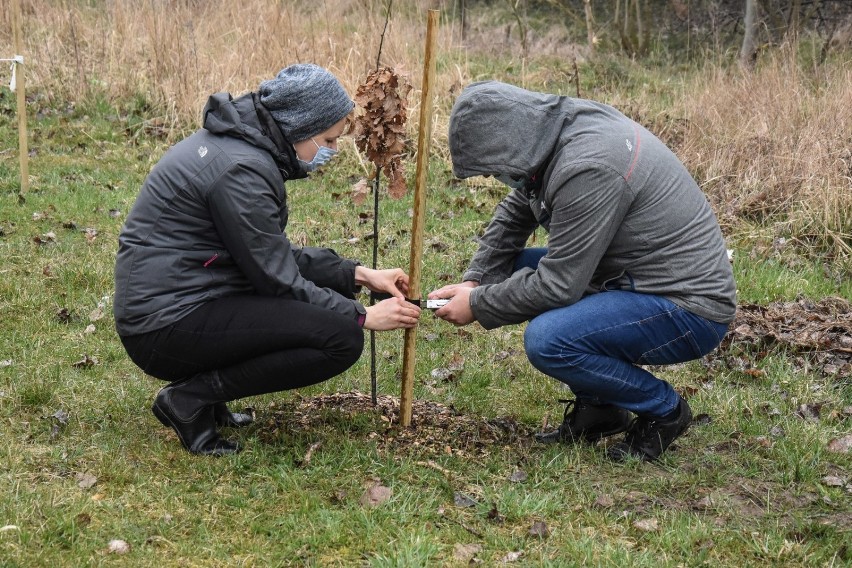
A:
(621, 210)
(210, 222)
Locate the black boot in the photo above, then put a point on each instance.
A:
(649, 437)
(187, 407)
(585, 422)
(227, 419)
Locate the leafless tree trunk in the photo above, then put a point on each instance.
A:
(748, 51)
(519, 9)
(590, 20)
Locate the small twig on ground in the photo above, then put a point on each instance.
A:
(306, 461)
(474, 532)
(435, 466)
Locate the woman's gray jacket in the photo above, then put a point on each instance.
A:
(210, 222)
(620, 209)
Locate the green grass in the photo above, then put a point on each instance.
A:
(744, 489)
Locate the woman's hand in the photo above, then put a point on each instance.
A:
(394, 281)
(458, 310)
(392, 313)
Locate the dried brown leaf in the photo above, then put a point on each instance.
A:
(519, 476)
(118, 546)
(462, 500)
(833, 481)
(539, 529)
(360, 191)
(604, 501)
(841, 445)
(396, 186)
(512, 557)
(375, 495)
(86, 480)
(646, 525)
(466, 552)
(85, 362)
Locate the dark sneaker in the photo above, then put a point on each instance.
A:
(584, 422)
(647, 438)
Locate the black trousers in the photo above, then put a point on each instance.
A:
(257, 344)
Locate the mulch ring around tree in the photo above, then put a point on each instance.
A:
(437, 429)
(817, 333)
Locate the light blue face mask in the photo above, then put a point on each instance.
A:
(323, 155)
(513, 183)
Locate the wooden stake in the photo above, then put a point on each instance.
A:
(424, 140)
(20, 89)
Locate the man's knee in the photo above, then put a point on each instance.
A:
(539, 345)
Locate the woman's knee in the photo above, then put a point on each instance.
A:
(349, 342)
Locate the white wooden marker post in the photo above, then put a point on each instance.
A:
(22, 97)
(424, 139)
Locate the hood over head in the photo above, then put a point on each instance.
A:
(500, 129)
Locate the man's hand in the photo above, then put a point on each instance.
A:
(445, 291)
(392, 313)
(457, 311)
(394, 281)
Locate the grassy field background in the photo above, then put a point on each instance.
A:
(756, 481)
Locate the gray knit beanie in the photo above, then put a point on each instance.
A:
(305, 100)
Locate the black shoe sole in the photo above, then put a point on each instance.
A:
(582, 438)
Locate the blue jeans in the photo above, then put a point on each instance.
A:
(596, 345)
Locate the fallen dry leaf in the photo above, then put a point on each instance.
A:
(466, 552)
(512, 557)
(45, 238)
(841, 445)
(462, 500)
(833, 481)
(519, 476)
(646, 525)
(63, 315)
(375, 495)
(539, 529)
(85, 362)
(118, 546)
(86, 480)
(494, 514)
(604, 501)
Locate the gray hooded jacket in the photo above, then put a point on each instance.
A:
(621, 210)
(210, 222)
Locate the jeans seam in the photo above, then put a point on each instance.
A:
(641, 321)
(685, 335)
(709, 325)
